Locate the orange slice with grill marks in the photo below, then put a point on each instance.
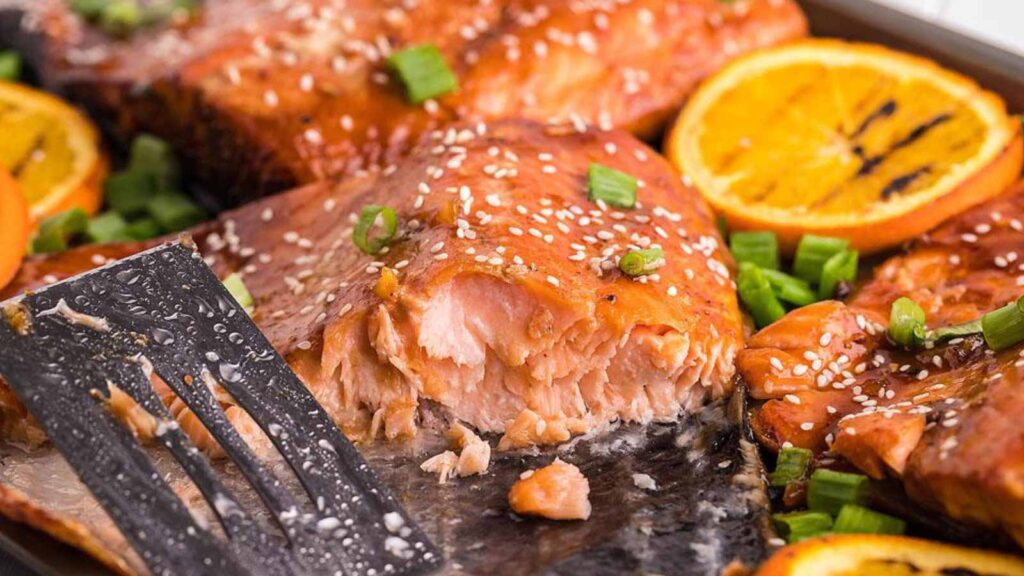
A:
(864, 554)
(844, 139)
(52, 150)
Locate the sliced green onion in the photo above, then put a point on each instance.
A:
(56, 232)
(236, 286)
(813, 252)
(424, 72)
(796, 526)
(841, 267)
(790, 289)
(121, 17)
(958, 331)
(1004, 327)
(641, 262)
(129, 192)
(829, 491)
(756, 293)
(163, 11)
(790, 466)
(10, 66)
(153, 157)
(379, 219)
(853, 519)
(761, 248)
(174, 211)
(89, 9)
(611, 186)
(107, 227)
(907, 323)
(143, 229)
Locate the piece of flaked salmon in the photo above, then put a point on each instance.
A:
(506, 293)
(261, 95)
(945, 420)
(558, 491)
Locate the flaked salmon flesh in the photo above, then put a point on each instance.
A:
(558, 491)
(945, 420)
(508, 311)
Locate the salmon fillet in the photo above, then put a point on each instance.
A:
(946, 421)
(507, 299)
(262, 95)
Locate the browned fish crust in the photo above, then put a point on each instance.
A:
(945, 420)
(260, 95)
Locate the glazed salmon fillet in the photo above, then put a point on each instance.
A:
(262, 95)
(945, 420)
(500, 293)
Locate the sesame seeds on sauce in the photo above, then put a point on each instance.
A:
(858, 379)
(484, 215)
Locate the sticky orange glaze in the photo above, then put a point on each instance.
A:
(944, 420)
(508, 293)
(260, 98)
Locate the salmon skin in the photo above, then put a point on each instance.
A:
(505, 295)
(262, 95)
(945, 420)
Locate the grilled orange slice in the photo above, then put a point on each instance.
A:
(14, 227)
(870, 555)
(52, 150)
(844, 139)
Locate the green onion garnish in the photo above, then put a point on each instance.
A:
(791, 466)
(853, 519)
(424, 72)
(143, 229)
(790, 289)
(796, 526)
(829, 491)
(907, 323)
(129, 192)
(89, 9)
(153, 158)
(1004, 327)
(813, 252)
(948, 332)
(107, 227)
(761, 248)
(756, 293)
(121, 17)
(174, 211)
(10, 66)
(611, 186)
(55, 232)
(238, 291)
(641, 262)
(841, 267)
(376, 227)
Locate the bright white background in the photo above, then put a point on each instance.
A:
(999, 22)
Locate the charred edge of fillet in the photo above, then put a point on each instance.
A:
(889, 496)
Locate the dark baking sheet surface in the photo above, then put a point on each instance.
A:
(708, 510)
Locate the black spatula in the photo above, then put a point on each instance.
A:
(67, 347)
